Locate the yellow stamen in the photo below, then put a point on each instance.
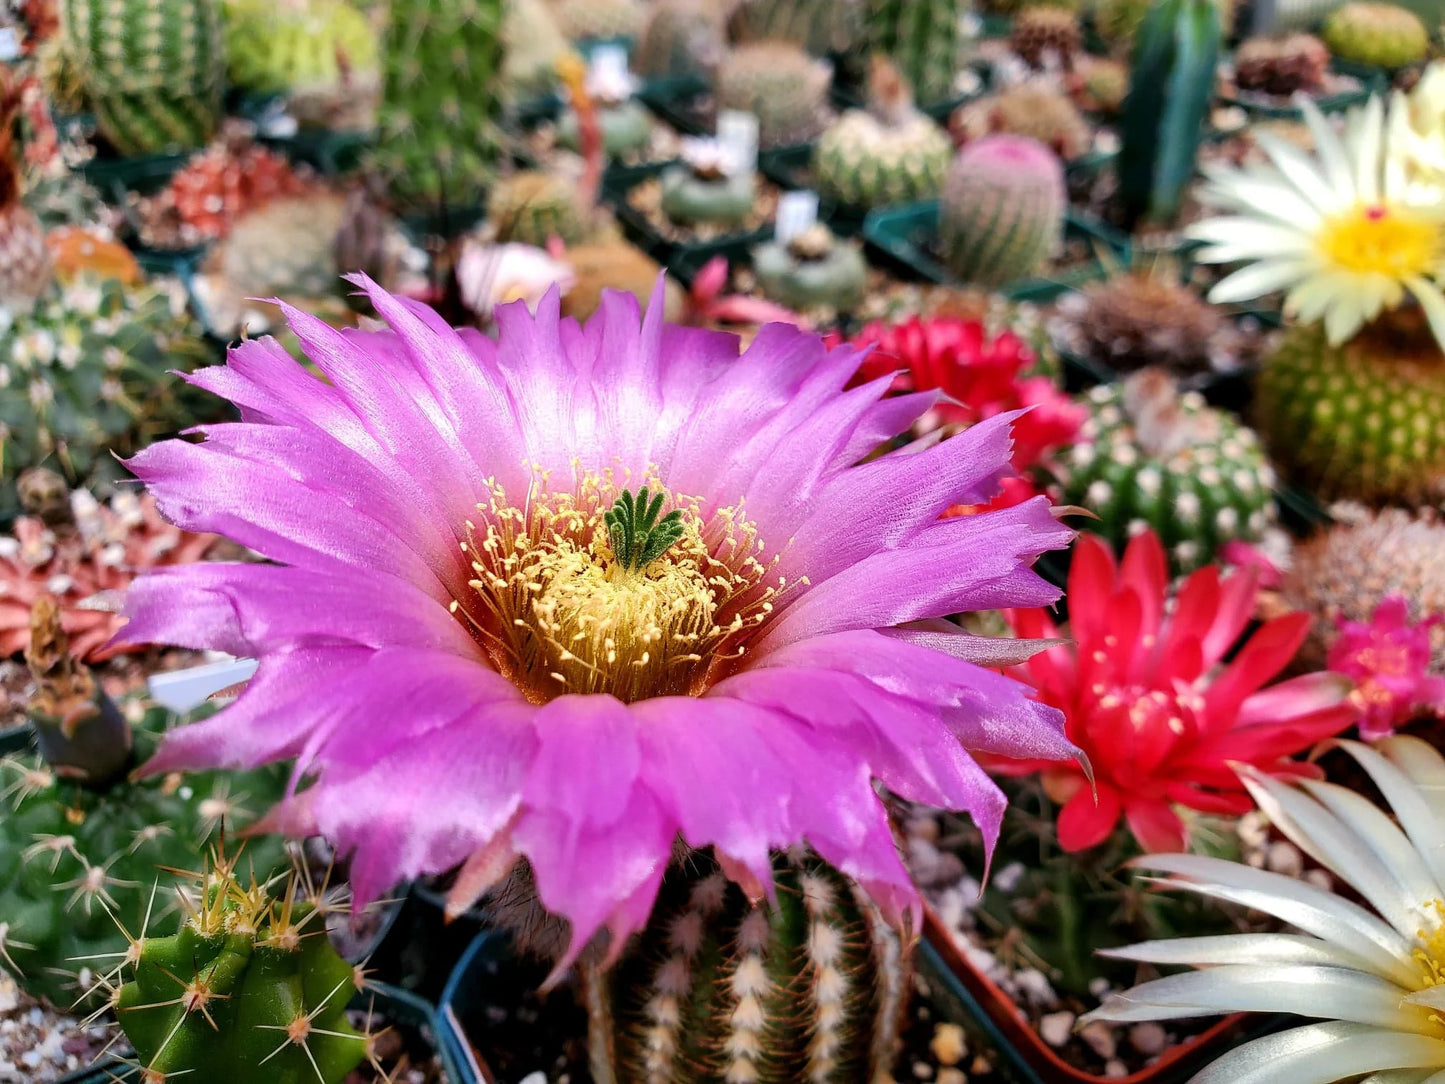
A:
(558, 613)
(1383, 240)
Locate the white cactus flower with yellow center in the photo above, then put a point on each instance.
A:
(1342, 231)
(1372, 972)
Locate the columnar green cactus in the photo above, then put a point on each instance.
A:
(1365, 420)
(152, 70)
(890, 153)
(785, 87)
(925, 38)
(1153, 457)
(1385, 35)
(1171, 85)
(532, 207)
(717, 988)
(273, 47)
(89, 371)
(437, 133)
(1002, 210)
(81, 848)
(248, 990)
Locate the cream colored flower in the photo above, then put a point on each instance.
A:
(1339, 230)
(1373, 972)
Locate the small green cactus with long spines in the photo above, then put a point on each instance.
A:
(1385, 35)
(249, 989)
(1150, 456)
(1002, 211)
(717, 988)
(438, 130)
(82, 849)
(1364, 420)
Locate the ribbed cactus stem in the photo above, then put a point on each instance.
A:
(80, 732)
(1002, 210)
(925, 38)
(718, 988)
(248, 990)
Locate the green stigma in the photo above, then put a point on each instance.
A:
(638, 537)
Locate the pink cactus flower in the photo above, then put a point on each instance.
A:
(1389, 661)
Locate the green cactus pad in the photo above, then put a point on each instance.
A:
(1150, 456)
(718, 989)
(78, 866)
(249, 990)
(1365, 420)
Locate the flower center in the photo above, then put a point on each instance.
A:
(1382, 240)
(596, 590)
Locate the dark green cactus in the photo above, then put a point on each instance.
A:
(250, 989)
(81, 848)
(717, 988)
(438, 139)
(1171, 83)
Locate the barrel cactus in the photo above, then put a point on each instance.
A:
(1002, 211)
(1363, 420)
(681, 38)
(812, 271)
(272, 48)
(782, 85)
(81, 846)
(925, 38)
(717, 987)
(584, 20)
(1032, 109)
(1152, 457)
(1385, 35)
(1043, 35)
(1282, 64)
(153, 71)
(890, 153)
(248, 989)
(825, 28)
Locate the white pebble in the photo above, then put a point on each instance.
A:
(538, 1077)
(1056, 1027)
(1115, 1068)
(1149, 1039)
(1100, 1036)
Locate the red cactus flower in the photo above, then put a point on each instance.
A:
(1388, 658)
(981, 376)
(1148, 696)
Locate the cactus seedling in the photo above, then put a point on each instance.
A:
(248, 989)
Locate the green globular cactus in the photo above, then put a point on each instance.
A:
(81, 847)
(890, 153)
(717, 988)
(925, 38)
(681, 38)
(153, 71)
(814, 270)
(1002, 211)
(586, 20)
(626, 128)
(88, 373)
(304, 44)
(250, 989)
(438, 137)
(782, 85)
(1150, 456)
(1365, 420)
(532, 207)
(1385, 35)
(1171, 86)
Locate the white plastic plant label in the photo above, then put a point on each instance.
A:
(9, 43)
(738, 133)
(182, 690)
(797, 213)
(608, 63)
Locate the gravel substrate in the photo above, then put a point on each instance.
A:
(39, 1044)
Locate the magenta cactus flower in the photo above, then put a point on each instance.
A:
(584, 591)
(1388, 658)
